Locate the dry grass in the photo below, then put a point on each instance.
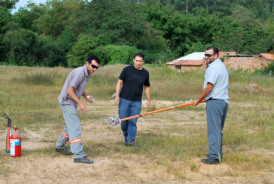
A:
(172, 142)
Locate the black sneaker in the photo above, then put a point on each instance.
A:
(132, 144)
(208, 156)
(211, 161)
(84, 160)
(64, 150)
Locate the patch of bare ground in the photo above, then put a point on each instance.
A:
(259, 152)
(253, 87)
(164, 104)
(118, 169)
(39, 162)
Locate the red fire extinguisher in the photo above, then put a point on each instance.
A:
(15, 143)
(7, 133)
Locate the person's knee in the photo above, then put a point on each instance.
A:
(133, 123)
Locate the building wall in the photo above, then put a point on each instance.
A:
(235, 63)
(185, 68)
(246, 63)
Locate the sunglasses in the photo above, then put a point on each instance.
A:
(209, 55)
(93, 66)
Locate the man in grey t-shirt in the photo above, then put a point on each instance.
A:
(216, 93)
(69, 99)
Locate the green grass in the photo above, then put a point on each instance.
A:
(29, 97)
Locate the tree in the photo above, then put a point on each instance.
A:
(260, 8)
(243, 40)
(121, 21)
(196, 47)
(183, 30)
(9, 4)
(52, 52)
(81, 50)
(59, 16)
(21, 45)
(120, 54)
(244, 16)
(6, 17)
(26, 16)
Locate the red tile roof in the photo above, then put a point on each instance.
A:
(267, 56)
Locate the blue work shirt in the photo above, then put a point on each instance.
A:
(217, 74)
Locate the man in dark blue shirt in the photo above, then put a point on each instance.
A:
(133, 79)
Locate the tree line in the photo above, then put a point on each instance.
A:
(64, 33)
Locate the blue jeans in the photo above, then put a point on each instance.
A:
(216, 111)
(126, 109)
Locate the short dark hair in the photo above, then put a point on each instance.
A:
(93, 57)
(215, 49)
(140, 54)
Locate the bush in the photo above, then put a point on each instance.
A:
(52, 53)
(112, 54)
(101, 52)
(266, 70)
(21, 46)
(81, 50)
(119, 54)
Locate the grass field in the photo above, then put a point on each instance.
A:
(172, 142)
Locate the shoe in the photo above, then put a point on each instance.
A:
(64, 150)
(207, 155)
(84, 160)
(132, 144)
(211, 160)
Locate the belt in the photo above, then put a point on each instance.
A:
(212, 99)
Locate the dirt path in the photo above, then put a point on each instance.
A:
(46, 166)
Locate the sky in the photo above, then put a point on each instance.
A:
(22, 3)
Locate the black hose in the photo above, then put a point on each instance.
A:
(9, 120)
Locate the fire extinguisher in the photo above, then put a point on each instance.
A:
(7, 133)
(15, 143)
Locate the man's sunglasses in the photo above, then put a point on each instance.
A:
(93, 66)
(209, 55)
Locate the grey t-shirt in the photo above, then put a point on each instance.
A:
(78, 79)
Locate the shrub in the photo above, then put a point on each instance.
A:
(120, 54)
(81, 50)
(266, 70)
